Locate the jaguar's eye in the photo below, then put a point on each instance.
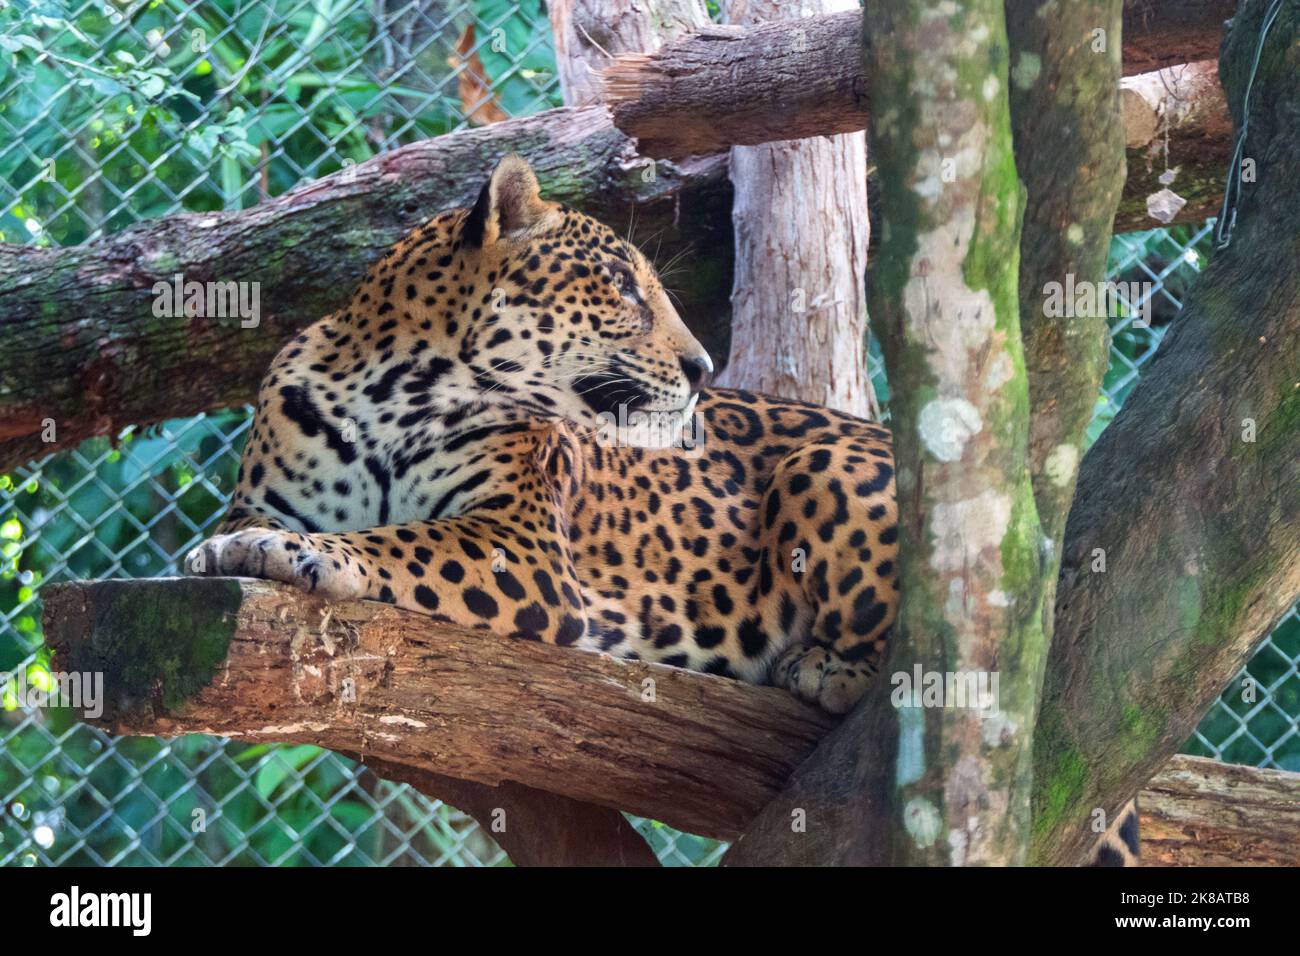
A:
(625, 282)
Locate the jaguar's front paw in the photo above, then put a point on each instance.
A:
(820, 676)
(278, 556)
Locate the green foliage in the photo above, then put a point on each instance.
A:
(112, 114)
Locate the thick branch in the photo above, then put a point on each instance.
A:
(1199, 812)
(80, 344)
(1194, 577)
(257, 661)
(730, 86)
(1066, 122)
(943, 300)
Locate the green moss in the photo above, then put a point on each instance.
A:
(1059, 794)
(1141, 731)
(158, 642)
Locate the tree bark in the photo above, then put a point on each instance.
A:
(589, 33)
(81, 348)
(1199, 812)
(1065, 116)
(1162, 598)
(735, 85)
(262, 662)
(943, 784)
(798, 308)
(730, 86)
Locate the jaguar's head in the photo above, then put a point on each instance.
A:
(561, 316)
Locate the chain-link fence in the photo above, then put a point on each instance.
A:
(111, 113)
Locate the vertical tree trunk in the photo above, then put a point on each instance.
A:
(944, 297)
(1213, 429)
(588, 33)
(1069, 141)
(799, 322)
(935, 784)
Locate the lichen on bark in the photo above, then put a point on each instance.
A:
(944, 300)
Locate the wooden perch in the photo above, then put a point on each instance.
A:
(258, 661)
(735, 86)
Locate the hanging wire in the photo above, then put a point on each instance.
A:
(1232, 191)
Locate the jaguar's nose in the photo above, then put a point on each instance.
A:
(698, 369)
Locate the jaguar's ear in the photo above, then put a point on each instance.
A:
(510, 205)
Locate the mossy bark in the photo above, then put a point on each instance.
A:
(902, 781)
(944, 302)
(1183, 547)
(1069, 139)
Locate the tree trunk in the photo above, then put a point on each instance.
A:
(1160, 604)
(1064, 94)
(942, 784)
(798, 307)
(1199, 530)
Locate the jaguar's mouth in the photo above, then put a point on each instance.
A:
(682, 411)
(606, 393)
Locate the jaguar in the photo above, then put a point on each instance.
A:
(455, 442)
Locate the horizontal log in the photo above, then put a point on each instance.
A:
(741, 85)
(262, 662)
(736, 86)
(486, 722)
(1199, 812)
(82, 352)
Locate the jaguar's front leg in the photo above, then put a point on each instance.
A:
(470, 570)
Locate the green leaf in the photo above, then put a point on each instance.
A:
(279, 765)
(153, 86)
